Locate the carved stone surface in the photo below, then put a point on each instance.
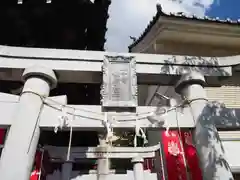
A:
(119, 88)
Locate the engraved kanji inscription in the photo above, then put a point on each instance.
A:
(119, 88)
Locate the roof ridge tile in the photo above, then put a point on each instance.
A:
(160, 12)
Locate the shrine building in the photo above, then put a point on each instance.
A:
(167, 110)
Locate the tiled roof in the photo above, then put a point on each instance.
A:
(180, 15)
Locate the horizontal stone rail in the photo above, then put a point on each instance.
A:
(103, 152)
(70, 64)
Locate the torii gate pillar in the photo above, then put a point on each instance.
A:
(22, 140)
(138, 168)
(208, 144)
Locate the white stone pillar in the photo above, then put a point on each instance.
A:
(103, 164)
(208, 144)
(138, 168)
(21, 143)
(103, 169)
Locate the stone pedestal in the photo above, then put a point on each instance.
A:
(103, 169)
(103, 164)
(21, 143)
(138, 168)
(208, 144)
(66, 171)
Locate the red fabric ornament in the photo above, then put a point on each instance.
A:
(173, 151)
(2, 135)
(177, 145)
(35, 175)
(191, 156)
(38, 159)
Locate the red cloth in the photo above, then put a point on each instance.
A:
(173, 151)
(191, 156)
(35, 175)
(2, 135)
(37, 166)
(38, 160)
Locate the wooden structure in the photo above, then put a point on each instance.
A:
(57, 24)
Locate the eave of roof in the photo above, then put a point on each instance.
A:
(180, 15)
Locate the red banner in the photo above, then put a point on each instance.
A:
(174, 157)
(2, 138)
(42, 166)
(180, 155)
(191, 156)
(35, 175)
(2, 135)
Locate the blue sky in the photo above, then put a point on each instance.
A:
(225, 9)
(130, 17)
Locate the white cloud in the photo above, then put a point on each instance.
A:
(131, 17)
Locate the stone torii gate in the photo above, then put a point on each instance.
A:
(30, 114)
(25, 115)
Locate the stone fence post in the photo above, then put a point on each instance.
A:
(22, 140)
